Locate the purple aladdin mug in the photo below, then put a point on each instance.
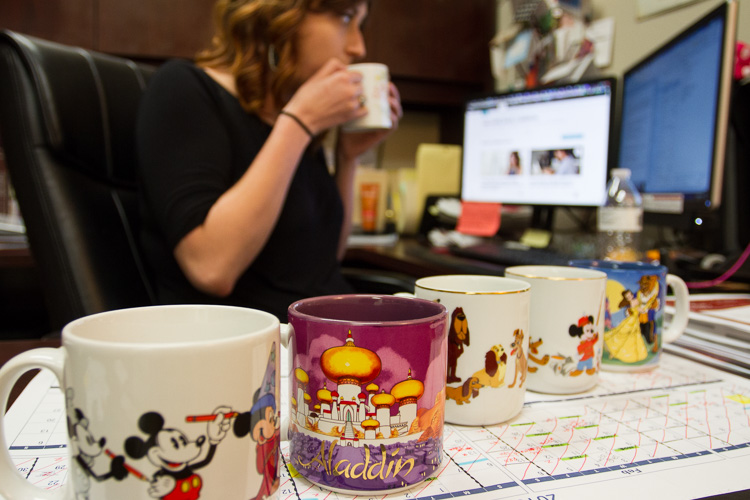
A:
(367, 388)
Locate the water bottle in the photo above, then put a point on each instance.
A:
(620, 220)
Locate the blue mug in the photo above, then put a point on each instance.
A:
(634, 332)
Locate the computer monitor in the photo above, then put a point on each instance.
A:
(675, 113)
(541, 147)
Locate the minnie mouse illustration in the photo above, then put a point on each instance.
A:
(175, 455)
(586, 349)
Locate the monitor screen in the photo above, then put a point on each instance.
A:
(546, 146)
(675, 109)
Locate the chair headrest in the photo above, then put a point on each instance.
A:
(88, 103)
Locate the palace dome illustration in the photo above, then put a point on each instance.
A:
(383, 399)
(349, 362)
(373, 387)
(324, 395)
(408, 389)
(302, 376)
(370, 424)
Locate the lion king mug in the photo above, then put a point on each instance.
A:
(634, 313)
(367, 389)
(162, 402)
(487, 345)
(565, 334)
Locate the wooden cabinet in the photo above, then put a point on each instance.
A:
(66, 21)
(145, 29)
(156, 29)
(437, 50)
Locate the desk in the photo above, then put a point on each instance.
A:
(410, 256)
(611, 482)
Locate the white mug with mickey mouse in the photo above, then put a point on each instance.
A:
(566, 328)
(176, 402)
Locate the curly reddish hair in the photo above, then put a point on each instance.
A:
(246, 30)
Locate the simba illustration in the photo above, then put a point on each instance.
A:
(516, 348)
(464, 393)
(534, 352)
(493, 373)
(458, 336)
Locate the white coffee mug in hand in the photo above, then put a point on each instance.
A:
(160, 401)
(375, 94)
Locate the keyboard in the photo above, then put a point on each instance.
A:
(497, 253)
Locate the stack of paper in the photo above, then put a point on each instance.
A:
(718, 330)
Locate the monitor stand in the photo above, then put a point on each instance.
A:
(543, 218)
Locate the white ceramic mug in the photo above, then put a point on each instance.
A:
(634, 333)
(167, 400)
(567, 321)
(375, 92)
(488, 338)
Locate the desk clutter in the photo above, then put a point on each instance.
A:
(660, 433)
(552, 377)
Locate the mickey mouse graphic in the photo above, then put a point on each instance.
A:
(85, 449)
(586, 331)
(262, 424)
(175, 455)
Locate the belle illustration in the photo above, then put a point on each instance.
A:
(625, 341)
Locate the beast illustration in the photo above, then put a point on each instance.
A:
(648, 304)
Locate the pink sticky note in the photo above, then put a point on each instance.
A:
(479, 219)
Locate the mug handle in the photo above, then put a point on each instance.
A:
(285, 329)
(681, 309)
(13, 486)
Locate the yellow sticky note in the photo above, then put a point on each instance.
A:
(536, 238)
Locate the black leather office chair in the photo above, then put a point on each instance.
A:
(66, 123)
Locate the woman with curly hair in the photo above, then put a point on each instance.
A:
(239, 204)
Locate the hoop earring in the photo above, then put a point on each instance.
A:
(273, 58)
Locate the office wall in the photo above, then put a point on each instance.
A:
(635, 38)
